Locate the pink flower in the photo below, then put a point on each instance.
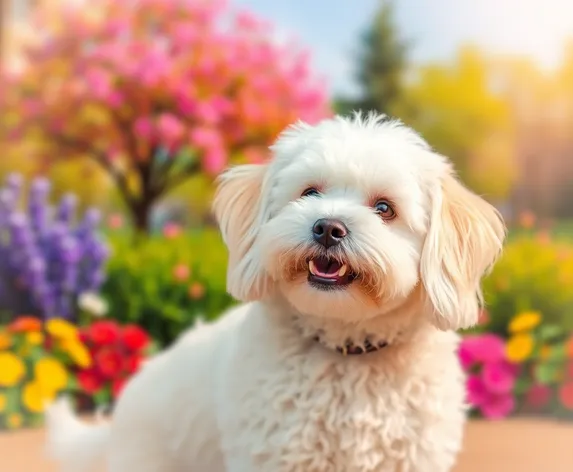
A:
(181, 272)
(204, 137)
(484, 348)
(196, 291)
(186, 102)
(115, 221)
(538, 396)
(214, 160)
(143, 127)
(114, 99)
(171, 230)
(476, 391)
(98, 82)
(246, 20)
(185, 33)
(170, 128)
(497, 406)
(207, 112)
(498, 377)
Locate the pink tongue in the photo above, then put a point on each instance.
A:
(326, 267)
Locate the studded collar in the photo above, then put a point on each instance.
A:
(350, 348)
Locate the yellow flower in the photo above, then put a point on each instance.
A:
(61, 329)
(12, 369)
(5, 340)
(35, 338)
(524, 322)
(14, 420)
(77, 352)
(519, 347)
(51, 374)
(34, 397)
(3, 402)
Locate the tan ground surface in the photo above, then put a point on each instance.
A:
(523, 446)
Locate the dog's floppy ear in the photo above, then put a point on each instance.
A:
(239, 210)
(464, 239)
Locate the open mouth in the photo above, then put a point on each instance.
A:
(326, 272)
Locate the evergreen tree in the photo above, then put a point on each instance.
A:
(382, 61)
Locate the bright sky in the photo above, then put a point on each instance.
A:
(535, 28)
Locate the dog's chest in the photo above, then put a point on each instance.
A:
(338, 416)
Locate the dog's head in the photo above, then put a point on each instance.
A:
(350, 217)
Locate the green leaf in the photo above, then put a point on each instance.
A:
(550, 332)
(13, 400)
(546, 373)
(557, 353)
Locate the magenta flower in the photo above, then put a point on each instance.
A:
(497, 406)
(498, 377)
(484, 348)
(476, 391)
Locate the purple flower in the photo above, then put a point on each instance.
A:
(39, 189)
(44, 260)
(67, 208)
(14, 183)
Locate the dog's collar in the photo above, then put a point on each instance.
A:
(352, 349)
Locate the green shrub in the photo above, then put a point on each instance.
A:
(164, 284)
(534, 273)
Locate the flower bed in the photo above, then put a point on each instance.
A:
(39, 361)
(530, 372)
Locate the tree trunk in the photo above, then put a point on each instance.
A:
(141, 213)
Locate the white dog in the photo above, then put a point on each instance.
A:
(358, 253)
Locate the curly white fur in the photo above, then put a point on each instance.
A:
(255, 391)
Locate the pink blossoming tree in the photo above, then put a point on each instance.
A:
(156, 91)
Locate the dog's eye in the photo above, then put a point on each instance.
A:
(310, 192)
(384, 209)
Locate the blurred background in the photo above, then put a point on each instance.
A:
(116, 116)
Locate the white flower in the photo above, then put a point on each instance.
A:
(93, 304)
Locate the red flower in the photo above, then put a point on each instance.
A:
(104, 333)
(85, 337)
(566, 395)
(109, 362)
(90, 381)
(117, 387)
(538, 396)
(134, 337)
(132, 364)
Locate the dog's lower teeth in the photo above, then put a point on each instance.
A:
(342, 270)
(312, 267)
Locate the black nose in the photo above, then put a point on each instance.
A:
(329, 232)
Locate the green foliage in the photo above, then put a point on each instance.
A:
(381, 65)
(533, 274)
(165, 285)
